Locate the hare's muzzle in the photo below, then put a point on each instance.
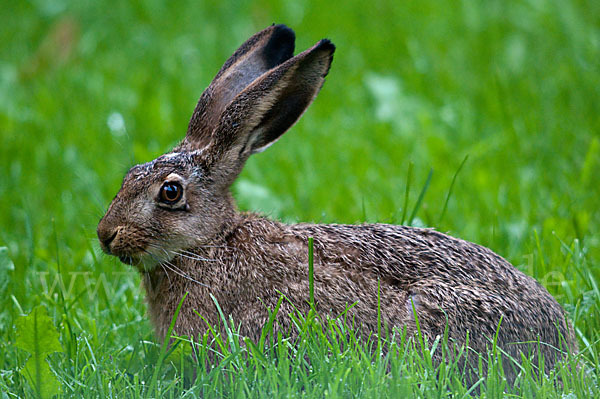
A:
(106, 236)
(117, 241)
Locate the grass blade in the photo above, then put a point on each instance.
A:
(163, 349)
(311, 273)
(451, 187)
(420, 199)
(406, 192)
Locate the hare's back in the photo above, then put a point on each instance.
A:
(410, 254)
(454, 282)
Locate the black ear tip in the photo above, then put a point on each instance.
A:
(284, 31)
(280, 47)
(326, 45)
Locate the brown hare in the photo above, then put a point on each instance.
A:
(176, 221)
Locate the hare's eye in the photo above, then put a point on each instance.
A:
(171, 192)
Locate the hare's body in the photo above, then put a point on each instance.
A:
(175, 219)
(451, 283)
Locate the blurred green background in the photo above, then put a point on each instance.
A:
(89, 88)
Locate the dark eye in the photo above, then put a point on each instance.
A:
(171, 192)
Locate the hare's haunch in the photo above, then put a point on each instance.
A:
(175, 220)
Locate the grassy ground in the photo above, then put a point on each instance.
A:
(87, 89)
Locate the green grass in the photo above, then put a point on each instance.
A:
(87, 89)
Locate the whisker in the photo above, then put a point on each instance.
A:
(167, 274)
(172, 268)
(191, 255)
(215, 246)
(160, 263)
(188, 254)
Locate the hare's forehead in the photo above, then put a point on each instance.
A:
(183, 163)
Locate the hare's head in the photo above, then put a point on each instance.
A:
(181, 199)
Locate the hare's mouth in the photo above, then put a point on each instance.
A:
(142, 263)
(146, 259)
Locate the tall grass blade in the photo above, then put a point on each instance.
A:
(311, 272)
(406, 192)
(379, 316)
(452, 187)
(420, 199)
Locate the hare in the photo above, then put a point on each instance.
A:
(176, 221)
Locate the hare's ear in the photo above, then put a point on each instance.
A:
(268, 107)
(262, 52)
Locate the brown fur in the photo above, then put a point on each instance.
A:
(203, 246)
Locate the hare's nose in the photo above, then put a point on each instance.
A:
(106, 236)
